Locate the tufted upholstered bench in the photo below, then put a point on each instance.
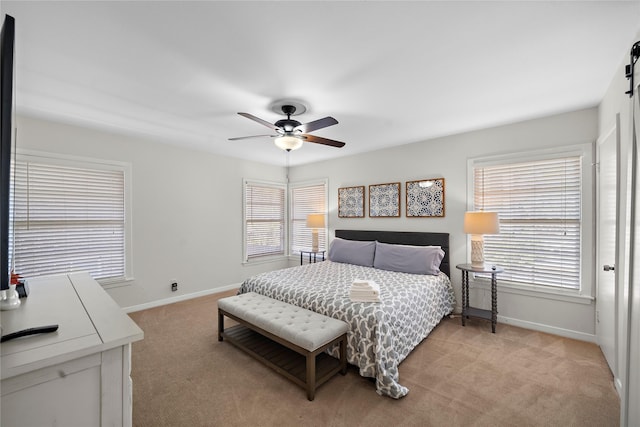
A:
(302, 333)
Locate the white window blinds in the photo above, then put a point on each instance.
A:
(264, 219)
(307, 199)
(69, 219)
(539, 204)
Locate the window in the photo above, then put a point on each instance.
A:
(541, 199)
(70, 215)
(264, 213)
(307, 198)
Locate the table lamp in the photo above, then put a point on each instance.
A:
(314, 222)
(477, 224)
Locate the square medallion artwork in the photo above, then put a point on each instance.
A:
(425, 198)
(351, 202)
(384, 200)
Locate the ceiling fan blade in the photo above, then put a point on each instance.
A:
(316, 124)
(259, 120)
(252, 136)
(321, 140)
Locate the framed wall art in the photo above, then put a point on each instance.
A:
(351, 202)
(425, 198)
(384, 200)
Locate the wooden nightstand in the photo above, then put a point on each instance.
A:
(467, 311)
(311, 253)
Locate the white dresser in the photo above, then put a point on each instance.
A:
(76, 376)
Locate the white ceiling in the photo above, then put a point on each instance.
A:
(390, 72)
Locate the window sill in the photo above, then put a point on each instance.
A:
(115, 283)
(534, 291)
(266, 260)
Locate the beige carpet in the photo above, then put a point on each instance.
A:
(182, 376)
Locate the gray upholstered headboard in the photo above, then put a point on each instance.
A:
(403, 238)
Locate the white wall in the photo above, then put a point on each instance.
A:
(447, 157)
(187, 209)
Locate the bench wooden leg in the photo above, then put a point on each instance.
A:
(220, 325)
(343, 355)
(311, 376)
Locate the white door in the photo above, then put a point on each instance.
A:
(606, 301)
(630, 403)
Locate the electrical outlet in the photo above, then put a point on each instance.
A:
(174, 286)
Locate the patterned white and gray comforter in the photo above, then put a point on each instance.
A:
(381, 334)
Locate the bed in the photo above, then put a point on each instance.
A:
(381, 335)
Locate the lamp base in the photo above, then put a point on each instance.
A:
(477, 250)
(314, 240)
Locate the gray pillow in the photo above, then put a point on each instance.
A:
(352, 252)
(408, 259)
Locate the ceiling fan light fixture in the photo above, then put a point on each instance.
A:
(288, 142)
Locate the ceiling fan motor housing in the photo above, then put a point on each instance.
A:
(287, 124)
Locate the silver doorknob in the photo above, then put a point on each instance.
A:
(609, 267)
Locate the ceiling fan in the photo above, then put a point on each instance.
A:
(290, 133)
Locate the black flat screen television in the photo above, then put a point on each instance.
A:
(7, 41)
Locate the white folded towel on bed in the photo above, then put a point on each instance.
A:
(364, 291)
(371, 293)
(357, 283)
(365, 285)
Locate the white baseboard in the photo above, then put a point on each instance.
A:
(567, 333)
(179, 298)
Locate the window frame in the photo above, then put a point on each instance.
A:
(323, 243)
(26, 155)
(585, 293)
(266, 257)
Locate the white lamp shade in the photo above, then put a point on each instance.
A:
(288, 142)
(315, 221)
(481, 222)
